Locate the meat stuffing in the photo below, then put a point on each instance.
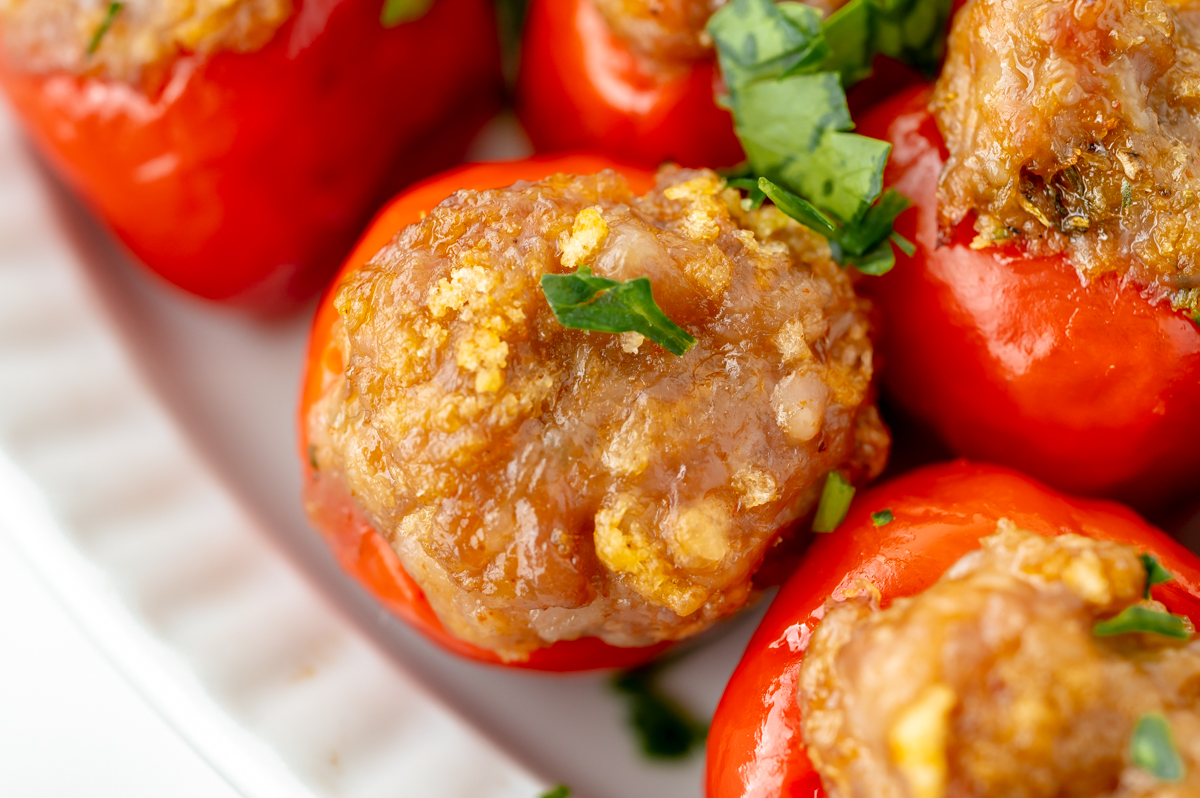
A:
(543, 483)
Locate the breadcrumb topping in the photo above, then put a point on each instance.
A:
(142, 39)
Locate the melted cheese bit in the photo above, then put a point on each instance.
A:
(918, 740)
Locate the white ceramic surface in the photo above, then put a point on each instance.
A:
(147, 441)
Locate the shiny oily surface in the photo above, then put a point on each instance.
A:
(671, 32)
(1077, 127)
(662, 30)
(139, 42)
(992, 682)
(543, 484)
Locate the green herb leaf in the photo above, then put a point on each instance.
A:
(875, 226)
(396, 12)
(835, 503)
(665, 730)
(848, 34)
(883, 517)
(912, 31)
(785, 69)
(582, 301)
(1155, 573)
(1138, 618)
(754, 195)
(1152, 748)
(797, 208)
(757, 40)
(793, 132)
(109, 17)
(560, 791)
(902, 243)
(879, 260)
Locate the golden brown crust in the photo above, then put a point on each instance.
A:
(666, 31)
(542, 483)
(993, 683)
(1074, 125)
(145, 37)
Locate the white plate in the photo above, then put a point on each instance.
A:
(148, 441)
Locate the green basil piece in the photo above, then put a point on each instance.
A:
(785, 69)
(835, 503)
(110, 16)
(1155, 573)
(665, 729)
(583, 301)
(396, 12)
(1137, 618)
(1152, 748)
(883, 517)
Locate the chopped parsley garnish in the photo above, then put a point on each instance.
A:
(396, 12)
(664, 728)
(835, 503)
(1152, 748)
(1155, 573)
(883, 517)
(560, 791)
(583, 301)
(785, 69)
(110, 16)
(1138, 618)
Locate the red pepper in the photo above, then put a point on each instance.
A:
(359, 547)
(1091, 387)
(581, 87)
(249, 177)
(939, 514)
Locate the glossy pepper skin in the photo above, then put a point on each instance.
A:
(1091, 387)
(581, 87)
(249, 177)
(940, 513)
(360, 549)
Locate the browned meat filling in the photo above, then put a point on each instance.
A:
(140, 41)
(666, 31)
(541, 483)
(1076, 125)
(993, 683)
(671, 32)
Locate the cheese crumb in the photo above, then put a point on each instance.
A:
(587, 235)
(918, 740)
(756, 486)
(631, 342)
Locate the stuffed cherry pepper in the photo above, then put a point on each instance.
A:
(1048, 319)
(238, 148)
(572, 417)
(637, 79)
(969, 632)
